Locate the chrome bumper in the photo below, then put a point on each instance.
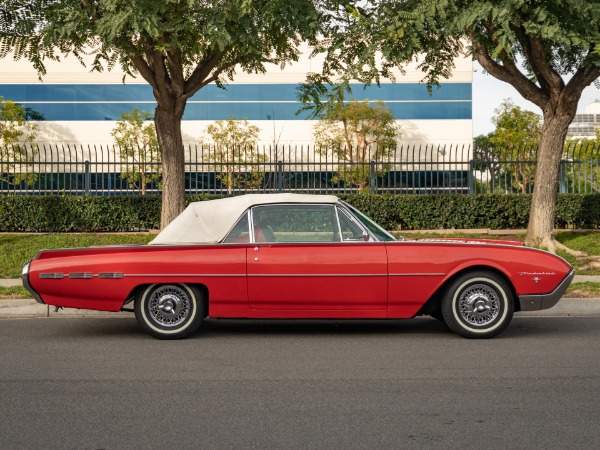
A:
(26, 285)
(546, 301)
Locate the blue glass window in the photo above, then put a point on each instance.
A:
(232, 92)
(254, 101)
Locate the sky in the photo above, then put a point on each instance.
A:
(489, 92)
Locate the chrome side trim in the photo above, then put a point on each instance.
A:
(52, 275)
(81, 275)
(184, 275)
(255, 275)
(417, 274)
(112, 275)
(546, 301)
(321, 275)
(126, 275)
(118, 275)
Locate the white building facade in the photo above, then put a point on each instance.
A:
(81, 107)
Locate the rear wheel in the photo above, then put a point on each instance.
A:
(169, 311)
(478, 304)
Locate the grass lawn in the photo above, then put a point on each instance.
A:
(17, 249)
(585, 242)
(584, 290)
(14, 292)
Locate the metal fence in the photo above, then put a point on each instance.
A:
(417, 169)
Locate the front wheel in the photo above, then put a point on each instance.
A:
(478, 305)
(169, 311)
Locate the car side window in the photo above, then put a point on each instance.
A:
(350, 230)
(240, 233)
(295, 223)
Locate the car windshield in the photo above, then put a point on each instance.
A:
(372, 226)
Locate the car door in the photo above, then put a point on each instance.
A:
(301, 260)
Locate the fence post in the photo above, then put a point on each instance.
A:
(373, 177)
(279, 176)
(86, 178)
(470, 183)
(563, 184)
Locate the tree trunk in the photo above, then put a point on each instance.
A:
(543, 203)
(168, 130)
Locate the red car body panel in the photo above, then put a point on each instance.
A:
(417, 270)
(318, 276)
(328, 280)
(222, 269)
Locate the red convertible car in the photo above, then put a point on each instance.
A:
(298, 256)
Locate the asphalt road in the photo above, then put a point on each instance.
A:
(97, 383)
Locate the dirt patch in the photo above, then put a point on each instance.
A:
(578, 293)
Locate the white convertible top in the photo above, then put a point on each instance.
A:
(210, 221)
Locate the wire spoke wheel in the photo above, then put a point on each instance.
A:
(169, 305)
(170, 311)
(478, 304)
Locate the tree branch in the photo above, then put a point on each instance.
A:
(162, 82)
(175, 66)
(545, 73)
(582, 78)
(509, 73)
(144, 70)
(86, 4)
(198, 76)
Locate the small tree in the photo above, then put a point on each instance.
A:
(486, 160)
(14, 131)
(234, 153)
(135, 136)
(516, 140)
(355, 132)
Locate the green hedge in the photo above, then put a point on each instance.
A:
(432, 212)
(394, 212)
(82, 213)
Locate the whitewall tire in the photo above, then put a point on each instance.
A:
(478, 304)
(170, 311)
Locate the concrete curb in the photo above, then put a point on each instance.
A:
(10, 282)
(29, 308)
